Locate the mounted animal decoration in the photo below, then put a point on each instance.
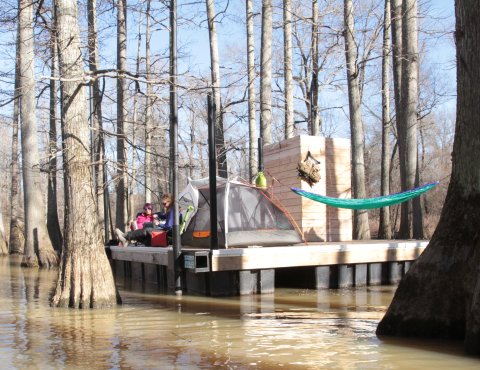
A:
(309, 169)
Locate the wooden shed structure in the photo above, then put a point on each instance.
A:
(318, 222)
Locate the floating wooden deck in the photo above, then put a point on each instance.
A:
(327, 265)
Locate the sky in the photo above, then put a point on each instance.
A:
(438, 20)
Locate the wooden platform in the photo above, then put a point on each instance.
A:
(257, 258)
(324, 254)
(258, 270)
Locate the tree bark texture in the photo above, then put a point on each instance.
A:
(121, 206)
(266, 74)
(85, 277)
(384, 229)
(98, 145)
(148, 113)
(133, 178)
(440, 295)
(361, 228)
(287, 68)
(215, 74)
(314, 117)
(409, 102)
(38, 248)
(252, 123)
(17, 236)
(396, 18)
(3, 237)
(53, 223)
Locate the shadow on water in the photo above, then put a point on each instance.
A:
(302, 329)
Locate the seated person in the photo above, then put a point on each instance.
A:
(144, 234)
(167, 215)
(146, 216)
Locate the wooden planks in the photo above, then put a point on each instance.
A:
(156, 256)
(324, 254)
(316, 255)
(317, 221)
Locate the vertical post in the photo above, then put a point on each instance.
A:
(260, 155)
(212, 173)
(261, 180)
(174, 145)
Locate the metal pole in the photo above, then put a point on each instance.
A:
(261, 180)
(174, 145)
(212, 173)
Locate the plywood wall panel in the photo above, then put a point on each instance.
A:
(317, 221)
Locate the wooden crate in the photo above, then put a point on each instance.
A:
(317, 221)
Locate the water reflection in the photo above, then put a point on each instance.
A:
(301, 329)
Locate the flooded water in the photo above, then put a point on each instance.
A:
(291, 329)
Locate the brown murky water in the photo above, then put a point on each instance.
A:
(292, 329)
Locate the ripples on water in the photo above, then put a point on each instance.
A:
(291, 329)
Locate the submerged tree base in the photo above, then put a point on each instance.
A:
(85, 281)
(29, 261)
(440, 295)
(48, 258)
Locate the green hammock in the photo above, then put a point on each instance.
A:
(367, 203)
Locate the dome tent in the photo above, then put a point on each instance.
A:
(246, 216)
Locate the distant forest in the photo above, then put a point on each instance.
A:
(380, 72)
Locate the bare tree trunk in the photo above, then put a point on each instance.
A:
(96, 115)
(409, 100)
(384, 229)
(148, 112)
(396, 18)
(314, 117)
(85, 278)
(133, 177)
(3, 237)
(252, 125)
(38, 247)
(287, 63)
(361, 228)
(53, 224)
(266, 74)
(17, 237)
(121, 206)
(215, 73)
(440, 295)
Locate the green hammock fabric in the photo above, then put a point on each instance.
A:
(367, 203)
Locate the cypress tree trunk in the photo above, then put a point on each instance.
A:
(98, 145)
(17, 238)
(396, 18)
(148, 112)
(215, 74)
(266, 74)
(287, 63)
(85, 277)
(361, 228)
(133, 177)
(121, 204)
(3, 237)
(252, 125)
(409, 101)
(314, 117)
(53, 224)
(38, 248)
(384, 229)
(440, 295)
